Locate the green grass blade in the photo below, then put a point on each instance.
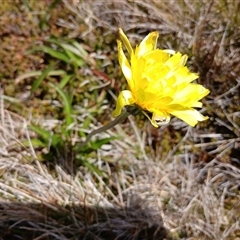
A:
(41, 132)
(81, 50)
(73, 46)
(98, 143)
(56, 41)
(46, 135)
(86, 125)
(65, 80)
(71, 49)
(67, 104)
(38, 73)
(35, 142)
(54, 53)
(79, 61)
(92, 168)
(42, 77)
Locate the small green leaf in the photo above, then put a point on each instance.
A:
(42, 132)
(98, 143)
(67, 105)
(81, 50)
(35, 142)
(42, 76)
(65, 80)
(54, 53)
(74, 58)
(56, 41)
(71, 49)
(38, 73)
(86, 125)
(46, 135)
(91, 167)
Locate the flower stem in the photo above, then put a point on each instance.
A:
(124, 115)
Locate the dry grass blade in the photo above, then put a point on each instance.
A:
(174, 183)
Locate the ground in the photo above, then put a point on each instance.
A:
(59, 78)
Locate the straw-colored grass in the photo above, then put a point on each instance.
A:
(177, 182)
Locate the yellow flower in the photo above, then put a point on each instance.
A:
(159, 83)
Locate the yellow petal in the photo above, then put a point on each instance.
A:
(125, 98)
(190, 95)
(190, 116)
(196, 104)
(170, 51)
(148, 44)
(176, 61)
(125, 66)
(125, 41)
(182, 76)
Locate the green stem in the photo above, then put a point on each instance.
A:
(124, 115)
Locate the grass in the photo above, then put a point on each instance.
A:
(59, 77)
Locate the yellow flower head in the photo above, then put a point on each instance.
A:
(159, 82)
